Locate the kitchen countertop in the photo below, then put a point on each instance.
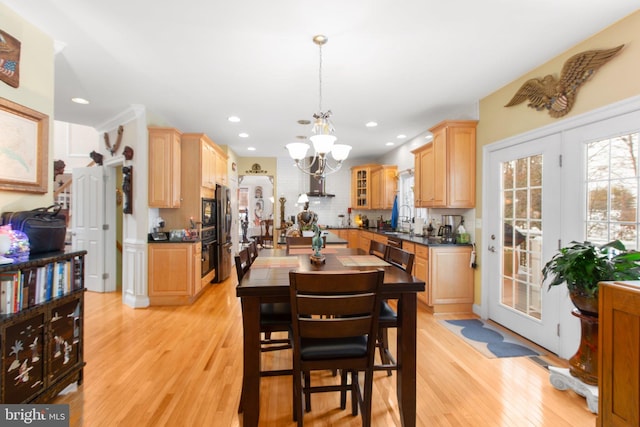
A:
(421, 240)
(168, 240)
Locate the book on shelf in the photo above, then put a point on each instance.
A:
(30, 283)
(11, 284)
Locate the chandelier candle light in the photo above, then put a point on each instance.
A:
(322, 137)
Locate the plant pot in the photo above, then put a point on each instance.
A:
(584, 364)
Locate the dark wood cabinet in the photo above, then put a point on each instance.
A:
(619, 354)
(41, 345)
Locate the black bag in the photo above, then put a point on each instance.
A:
(45, 227)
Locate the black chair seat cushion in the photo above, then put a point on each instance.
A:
(324, 349)
(387, 314)
(275, 313)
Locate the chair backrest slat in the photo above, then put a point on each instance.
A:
(335, 304)
(378, 249)
(243, 263)
(305, 242)
(399, 258)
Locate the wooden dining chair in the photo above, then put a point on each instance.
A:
(388, 316)
(274, 317)
(378, 249)
(302, 242)
(334, 322)
(266, 238)
(243, 262)
(253, 251)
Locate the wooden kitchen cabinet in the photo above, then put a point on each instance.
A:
(384, 184)
(450, 283)
(445, 168)
(221, 166)
(208, 164)
(365, 240)
(361, 187)
(174, 273)
(421, 263)
(619, 354)
(354, 238)
(164, 167)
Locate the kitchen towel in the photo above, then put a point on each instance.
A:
(394, 213)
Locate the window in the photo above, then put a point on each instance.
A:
(612, 190)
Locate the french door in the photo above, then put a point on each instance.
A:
(524, 207)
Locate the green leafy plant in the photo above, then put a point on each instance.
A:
(583, 265)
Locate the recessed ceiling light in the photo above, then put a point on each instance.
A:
(251, 148)
(304, 122)
(80, 101)
(429, 137)
(401, 136)
(233, 119)
(243, 135)
(389, 144)
(371, 124)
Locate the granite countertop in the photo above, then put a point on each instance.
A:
(150, 239)
(421, 240)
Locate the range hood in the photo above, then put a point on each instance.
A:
(316, 188)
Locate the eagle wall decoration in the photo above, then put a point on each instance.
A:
(558, 95)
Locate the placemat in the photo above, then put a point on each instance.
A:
(304, 251)
(362, 261)
(275, 262)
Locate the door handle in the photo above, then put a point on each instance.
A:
(492, 248)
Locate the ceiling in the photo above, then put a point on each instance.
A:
(403, 64)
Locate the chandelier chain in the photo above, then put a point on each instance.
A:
(320, 80)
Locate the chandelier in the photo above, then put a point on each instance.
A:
(322, 137)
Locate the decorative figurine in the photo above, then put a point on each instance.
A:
(316, 244)
(245, 225)
(127, 189)
(128, 152)
(283, 223)
(96, 157)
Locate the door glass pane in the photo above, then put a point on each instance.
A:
(522, 241)
(612, 187)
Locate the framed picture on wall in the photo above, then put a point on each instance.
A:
(24, 148)
(243, 198)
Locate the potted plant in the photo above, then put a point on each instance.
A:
(582, 266)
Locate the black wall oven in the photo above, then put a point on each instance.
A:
(208, 255)
(209, 213)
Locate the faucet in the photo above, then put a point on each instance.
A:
(405, 219)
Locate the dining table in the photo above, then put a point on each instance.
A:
(267, 280)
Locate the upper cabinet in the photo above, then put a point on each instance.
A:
(361, 187)
(208, 163)
(221, 165)
(373, 186)
(445, 168)
(164, 167)
(384, 183)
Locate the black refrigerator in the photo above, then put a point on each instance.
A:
(223, 247)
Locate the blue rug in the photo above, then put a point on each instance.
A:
(488, 340)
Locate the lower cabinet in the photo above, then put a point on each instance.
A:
(174, 273)
(450, 279)
(42, 339)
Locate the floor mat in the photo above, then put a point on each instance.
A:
(489, 340)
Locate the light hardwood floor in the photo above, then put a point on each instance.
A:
(182, 366)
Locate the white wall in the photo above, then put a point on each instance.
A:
(72, 143)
